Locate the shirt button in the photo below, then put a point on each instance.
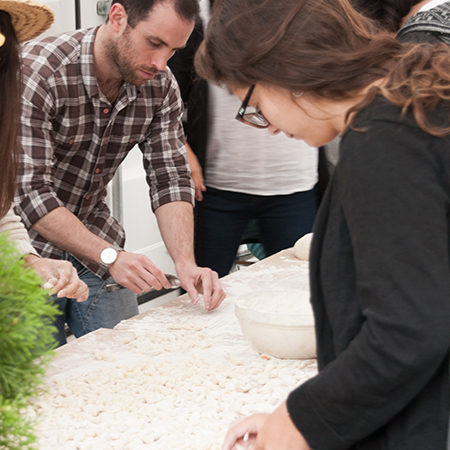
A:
(105, 140)
(131, 140)
(87, 196)
(70, 141)
(105, 110)
(97, 170)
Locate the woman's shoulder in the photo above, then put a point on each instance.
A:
(381, 113)
(382, 134)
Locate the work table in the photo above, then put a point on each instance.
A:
(173, 377)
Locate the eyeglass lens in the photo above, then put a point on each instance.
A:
(256, 119)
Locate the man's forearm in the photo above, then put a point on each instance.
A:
(66, 231)
(176, 224)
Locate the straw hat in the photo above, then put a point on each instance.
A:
(29, 18)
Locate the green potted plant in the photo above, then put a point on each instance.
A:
(26, 343)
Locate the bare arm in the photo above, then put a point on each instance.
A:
(59, 275)
(196, 172)
(66, 231)
(176, 224)
(135, 272)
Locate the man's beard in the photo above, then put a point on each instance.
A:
(120, 55)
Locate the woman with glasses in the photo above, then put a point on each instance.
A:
(22, 20)
(380, 256)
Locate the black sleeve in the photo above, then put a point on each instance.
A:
(182, 62)
(194, 92)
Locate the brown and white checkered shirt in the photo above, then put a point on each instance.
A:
(73, 139)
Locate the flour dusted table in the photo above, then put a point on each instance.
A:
(172, 378)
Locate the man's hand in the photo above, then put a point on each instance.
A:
(137, 273)
(176, 223)
(201, 280)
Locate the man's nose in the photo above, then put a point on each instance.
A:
(160, 59)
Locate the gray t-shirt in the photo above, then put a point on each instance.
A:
(241, 158)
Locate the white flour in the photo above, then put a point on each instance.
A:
(171, 379)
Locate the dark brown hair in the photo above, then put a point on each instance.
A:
(9, 112)
(138, 10)
(323, 47)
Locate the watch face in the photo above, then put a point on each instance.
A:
(108, 255)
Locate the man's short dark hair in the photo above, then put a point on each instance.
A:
(138, 10)
(387, 13)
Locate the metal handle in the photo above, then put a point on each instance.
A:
(173, 280)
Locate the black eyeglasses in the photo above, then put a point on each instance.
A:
(254, 118)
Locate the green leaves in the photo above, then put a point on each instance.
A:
(16, 431)
(26, 343)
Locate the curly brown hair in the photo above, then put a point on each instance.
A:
(325, 48)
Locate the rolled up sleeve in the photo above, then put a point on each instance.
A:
(165, 161)
(35, 194)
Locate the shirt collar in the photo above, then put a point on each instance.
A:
(88, 68)
(87, 62)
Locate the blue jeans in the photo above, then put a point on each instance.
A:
(101, 310)
(223, 217)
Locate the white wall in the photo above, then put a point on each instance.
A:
(64, 11)
(88, 13)
(140, 224)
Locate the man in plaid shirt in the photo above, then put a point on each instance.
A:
(89, 97)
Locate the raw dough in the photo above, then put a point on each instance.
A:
(302, 246)
(47, 286)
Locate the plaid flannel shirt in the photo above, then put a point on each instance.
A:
(73, 139)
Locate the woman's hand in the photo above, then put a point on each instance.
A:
(243, 433)
(197, 174)
(60, 277)
(280, 433)
(274, 431)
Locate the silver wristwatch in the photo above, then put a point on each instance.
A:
(108, 256)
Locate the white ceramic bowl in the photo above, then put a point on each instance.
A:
(280, 324)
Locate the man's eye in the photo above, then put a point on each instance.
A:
(155, 44)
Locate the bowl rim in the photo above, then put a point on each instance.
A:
(275, 319)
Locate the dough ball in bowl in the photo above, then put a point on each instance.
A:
(278, 323)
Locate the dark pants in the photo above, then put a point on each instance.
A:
(223, 217)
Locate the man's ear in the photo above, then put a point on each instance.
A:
(118, 17)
